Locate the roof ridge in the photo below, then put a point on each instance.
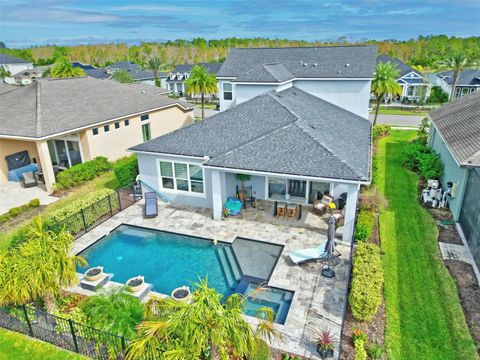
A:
(266, 67)
(38, 107)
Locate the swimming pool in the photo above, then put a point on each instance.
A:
(169, 260)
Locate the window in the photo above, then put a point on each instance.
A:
(227, 91)
(106, 128)
(144, 117)
(95, 131)
(181, 177)
(117, 125)
(127, 122)
(146, 132)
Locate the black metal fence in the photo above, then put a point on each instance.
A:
(64, 333)
(88, 218)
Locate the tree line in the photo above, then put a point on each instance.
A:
(423, 52)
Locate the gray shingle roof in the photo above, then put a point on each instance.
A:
(211, 67)
(68, 104)
(403, 68)
(466, 78)
(304, 62)
(7, 87)
(8, 59)
(289, 132)
(459, 124)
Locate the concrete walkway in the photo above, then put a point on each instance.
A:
(12, 194)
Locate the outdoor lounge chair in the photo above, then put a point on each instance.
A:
(29, 179)
(320, 206)
(234, 206)
(151, 206)
(304, 255)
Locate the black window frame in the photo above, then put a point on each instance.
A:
(230, 92)
(117, 125)
(144, 117)
(95, 131)
(127, 122)
(106, 128)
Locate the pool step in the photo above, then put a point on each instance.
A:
(227, 270)
(233, 261)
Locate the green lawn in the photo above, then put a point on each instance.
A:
(399, 112)
(106, 180)
(20, 347)
(424, 316)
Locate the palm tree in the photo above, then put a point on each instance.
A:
(39, 267)
(457, 62)
(207, 326)
(4, 73)
(122, 76)
(201, 82)
(155, 65)
(384, 83)
(63, 68)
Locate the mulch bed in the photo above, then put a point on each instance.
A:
(469, 293)
(447, 232)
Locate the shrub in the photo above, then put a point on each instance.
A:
(380, 130)
(423, 131)
(358, 334)
(372, 200)
(80, 173)
(97, 203)
(126, 170)
(76, 315)
(437, 95)
(361, 232)
(15, 211)
(412, 153)
(360, 352)
(431, 166)
(375, 351)
(34, 203)
(367, 280)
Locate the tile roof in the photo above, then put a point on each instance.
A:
(301, 62)
(467, 77)
(51, 106)
(289, 132)
(7, 59)
(458, 122)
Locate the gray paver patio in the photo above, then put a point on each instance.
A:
(318, 304)
(12, 194)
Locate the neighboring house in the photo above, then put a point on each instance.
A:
(92, 71)
(176, 78)
(338, 74)
(137, 73)
(415, 86)
(14, 65)
(455, 135)
(26, 77)
(468, 82)
(294, 146)
(63, 122)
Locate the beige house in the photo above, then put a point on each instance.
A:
(63, 122)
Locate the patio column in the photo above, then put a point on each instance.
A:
(350, 212)
(217, 191)
(46, 164)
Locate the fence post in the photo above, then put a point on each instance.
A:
(74, 337)
(119, 200)
(124, 346)
(30, 330)
(83, 219)
(110, 205)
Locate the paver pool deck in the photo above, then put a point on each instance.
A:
(318, 304)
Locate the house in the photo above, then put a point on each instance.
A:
(26, 77)
(14, 65)
(176, 78)
(338, 74)
(415, 86)
(137, 73)
(58, 123)
(91, 70)
(294, 146)
(468, 82)
(455, 135)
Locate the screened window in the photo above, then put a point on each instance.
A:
(95, 131)
(181, 177)
(106, 128)
(146, 132)
(127, 122)
(227, 91)
(117, 125)
(144, 117)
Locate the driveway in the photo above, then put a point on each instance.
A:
(12, 194)
(398, 120)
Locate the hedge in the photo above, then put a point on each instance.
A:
(367, 281)
(364, 227)
(94, 206)
(81, 173)
(380, 130)
(15, 211)
(126, 170)
(420, 158)
(360, 351)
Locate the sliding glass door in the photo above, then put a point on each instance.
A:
(301, 191)
(65, 153)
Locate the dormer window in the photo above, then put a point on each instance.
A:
(172, 76)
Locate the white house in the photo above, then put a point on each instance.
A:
(467, 83)
(176, 78)
(415, 86)
(338, 74)
(14, 65)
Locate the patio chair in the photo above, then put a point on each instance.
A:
(29, 179)
(320, 206)
(151, 205)
(304, 255)
(246, 195)
(234, 206)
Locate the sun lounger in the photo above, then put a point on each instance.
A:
(234, 206)
(151, 206)
(309, 254)
(29, 179)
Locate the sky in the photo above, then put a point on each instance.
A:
(68, 22)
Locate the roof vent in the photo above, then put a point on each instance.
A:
(347, 65)
(305, 64)
(314, 64)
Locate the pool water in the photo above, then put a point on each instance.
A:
(169, 260)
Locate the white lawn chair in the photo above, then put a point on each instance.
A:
(309, 254)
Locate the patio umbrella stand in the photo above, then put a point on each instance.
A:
(327, 271)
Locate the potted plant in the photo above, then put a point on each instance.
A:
(94, 273)
(242, 178)
(182, 294)
(324, 344)
(134, 284)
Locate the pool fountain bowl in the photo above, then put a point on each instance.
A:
(182, 294)
(93, 274)
(135, 284)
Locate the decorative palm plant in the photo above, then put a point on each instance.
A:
(201, 82)
(384, 84)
